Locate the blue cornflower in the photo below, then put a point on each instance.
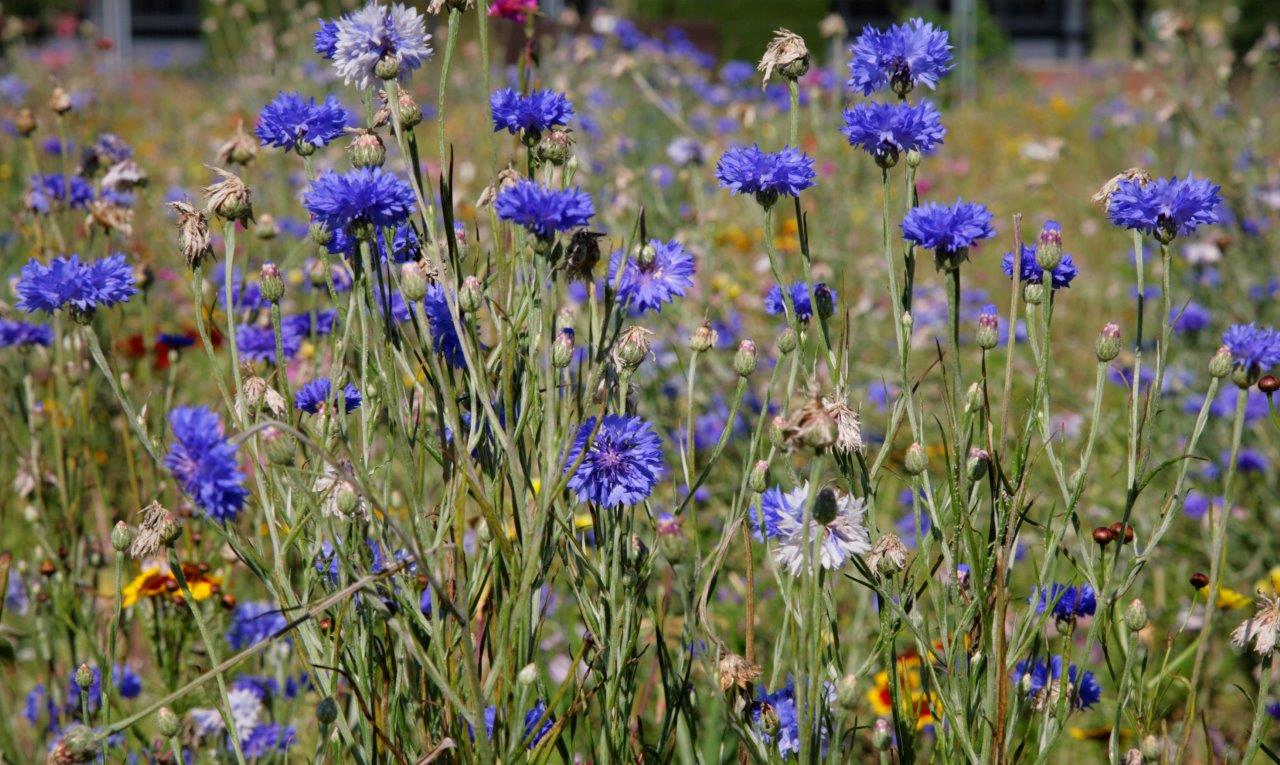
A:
(1253, 348)
(544, 211)
(313, 396)
(620, 465)
(749, 170)
(775, 720)
(444, 335)
(293, 122)
(1042, 683)
(1065, 601)
(204, 462)
(53, 189)
(380, 43)
(13, 90)
(948, 230)
(1247, 460)
(535, 113)
(777, 510)
(69, 283)
(1166, 207)
(532, 730)
(886, 131)
(910, 54)
(656, 274)
(1063, 273)
(127, 682)
(258, 343)
(361, 197)
(267, 738)
(1191, 318)
(775, 304)
(252, 622)
(21, 334)
(326, 39)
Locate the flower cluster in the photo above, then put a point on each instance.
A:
(358, 198)
(78, 286)
(291, 122)
(1041, 681)
(802, 299)
(615, 461)
(1065, 602)
(204, 463)
(544, 211)
(316, 395)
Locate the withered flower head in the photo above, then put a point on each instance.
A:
(124, 175)
(193, 234)
(887, 555)
(1103, 195)
(848, 427)
(810, 425)
(737, 672)
(240, 149)
(632, 348)
(110, 217)
(787, 53)
(410, 112)
(157, 529)
(229, 198)
(1262, 629)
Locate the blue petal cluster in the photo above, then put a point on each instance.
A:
(781, 705)
(313, 396)
(620, 466)
(544, 211)
(947, 229)
(53, 189)
(267, 738)
(1061, 276)
(363, 196)
(291, 120)
(252, 622)
(391, 35)
(258, 343)
(1165, 207)
(532, 730)
(1252, 347)
(1043, 677)
(444, 335)
(907, 55)
(21, 334)
(539, 111)
(68, 282)
(775, 304)
(651, 279)
(887, 130)
(204, 463)
(1065, 602)
(749, 170)
(326, 39)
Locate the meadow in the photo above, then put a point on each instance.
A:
(452, 384)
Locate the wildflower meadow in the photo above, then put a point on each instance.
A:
(461, 382)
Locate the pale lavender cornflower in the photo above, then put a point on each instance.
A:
(380, 43)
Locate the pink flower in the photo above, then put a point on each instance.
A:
(514, 10)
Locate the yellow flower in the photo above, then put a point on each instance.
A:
(582, 521)
(1269, 585)
(1229, 599)
(155, 581)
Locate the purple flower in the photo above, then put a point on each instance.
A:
(775, 304)
(1042, 682)
(1253, 348)
(326, 40)
(1063, 273)
(656, 274)
(444, 335)
(315, 395)
(533, 731)
(21, 334)
(1065, 601)
(1165, 207)
(948, 230)
(544, 211)
(886, 131)
(910, 54)
(781, 706)
(204, 462)
(620, 465)
(55, 190)
(379, 42)
(748, 170)
(776, 508)
(1191, 318)
(252, 622)
(535, 113)
(267, 738)
(359, 197)
(293, 122)
(81, 287)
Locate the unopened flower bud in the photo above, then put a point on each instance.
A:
(882, 735)
(916, 461)
(562, 348)
(1103, 536)
(25, 122)
(1220, 364)
(1049, 248)
(777, 430)
(387, 67)
(1033, 294)
(988, 331)
(847, 692)
(366, 150)
(319, 234)
(59, 101)
(471, 295)
(78, 744)
(824, 507)
(914, 158)
(528, 675)
(413, 282)
(1268, 384)
(556, 146)
(744, 361)
(326, 711)
(1135, 616)
(1199, 581)
(824, 301)
(1108, 345)
(121, 536)
(769, 720)
(908, 322)
(267, 228)
(281, 448)
(84, 677)
(168, 723)
(976, 467)
(633, 346)
(703, 338)
(973, 399)
(1151, 748)
(758, 480)
(410, 112)
(1244, 376)
(271, 283)
(787, 341)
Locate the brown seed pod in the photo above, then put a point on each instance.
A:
(1199, 580)
(1102, 535)
(1269, 384)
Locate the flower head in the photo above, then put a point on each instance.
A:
(948, 230)
(366, 196)
(513, 10)
(654, 275)
(774, 717)
(1252, 347)
(537, 723)
(318, 394)
(204, 462)
(1042, 683)
(1065, 602)
(542, 210)
(444, 335)
(910, 54)
(380, 43)
(1165, 207)
(293, 122)
(80, 287)
(326, 39)
(620, 465)
(887, 130)
(55, 190)
(252, 622)
(786, 53)
(1061, 276)
(1262, 629)
(533, 114)
(837, 537)
(749, 170)
(21, 334)
(775, 303)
